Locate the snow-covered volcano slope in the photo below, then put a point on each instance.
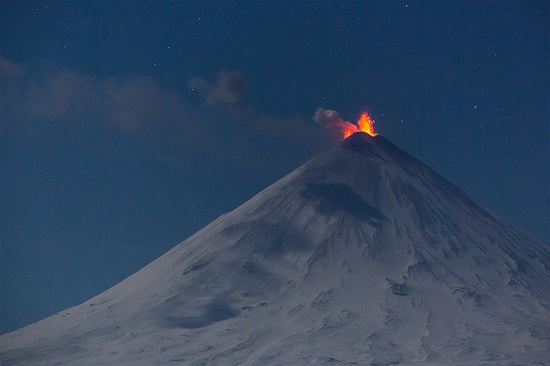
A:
(361, 256)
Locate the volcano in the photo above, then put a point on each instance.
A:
(363, 255)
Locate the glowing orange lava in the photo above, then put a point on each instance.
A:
(364, 124)
(349, 130)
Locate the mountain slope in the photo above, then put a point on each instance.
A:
(363, 255)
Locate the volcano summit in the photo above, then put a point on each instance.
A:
(363, 255)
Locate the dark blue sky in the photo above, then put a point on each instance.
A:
(128, 126)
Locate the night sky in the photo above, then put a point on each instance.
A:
(128, 126)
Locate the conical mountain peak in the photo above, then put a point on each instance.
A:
(364, 143)
(363, 255)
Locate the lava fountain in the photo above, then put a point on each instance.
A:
(364, 124)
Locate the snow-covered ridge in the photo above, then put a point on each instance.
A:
(363, 255)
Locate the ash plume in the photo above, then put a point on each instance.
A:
(229, 91)
(331, 120)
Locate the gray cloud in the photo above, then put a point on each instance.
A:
(136, 105)
(327, 117)
(229, 91)
(130, 104)
(9, 68)
(64, 95)
(200, 85)
(141, 102)
(331, 120)
(142, 105)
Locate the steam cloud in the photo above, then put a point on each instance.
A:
(331, 120)
(229, 91)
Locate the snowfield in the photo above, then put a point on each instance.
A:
(362, 256)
